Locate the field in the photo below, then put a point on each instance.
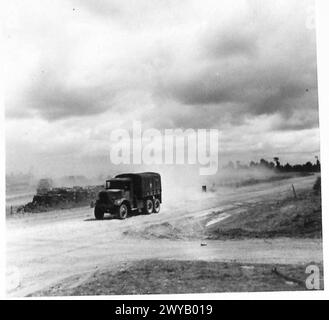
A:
(227, 240)
(178, 277)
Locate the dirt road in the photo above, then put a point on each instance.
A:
(49, 247)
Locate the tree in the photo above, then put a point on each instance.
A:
(287, 168)
(277, 161)
(264, 163)
(230, 165)
(318, 164)
(252, 164)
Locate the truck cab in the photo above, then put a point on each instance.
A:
(129, 192)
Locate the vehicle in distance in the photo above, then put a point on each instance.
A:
(130, 192)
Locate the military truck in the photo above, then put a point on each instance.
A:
(130, 192)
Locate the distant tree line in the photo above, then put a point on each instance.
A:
(275, 165)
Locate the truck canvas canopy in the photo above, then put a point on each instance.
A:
(145, 184)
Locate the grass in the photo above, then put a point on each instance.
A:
(290, 217)
(287, 217)
(178, 277)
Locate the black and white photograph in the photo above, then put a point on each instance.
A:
(161, 148)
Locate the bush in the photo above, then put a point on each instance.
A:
(317, 186)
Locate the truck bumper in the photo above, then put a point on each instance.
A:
(105, 207)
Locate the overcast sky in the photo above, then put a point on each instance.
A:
(77, 69)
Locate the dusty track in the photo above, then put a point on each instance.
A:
(49, 247)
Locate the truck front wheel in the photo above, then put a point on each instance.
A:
(156, 206)
(148, 206)
(99, 213)
(123, 211)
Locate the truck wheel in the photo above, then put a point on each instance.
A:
(148, 206)
(123, 211)
(99, 213)
(156, 206)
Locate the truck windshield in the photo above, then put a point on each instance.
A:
(117, 184)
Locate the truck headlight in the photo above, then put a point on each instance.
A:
(117, 202)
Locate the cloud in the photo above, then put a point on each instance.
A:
(100, 7)
(258, 66)
(93, 65)
(212, 56)
(53, 99)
